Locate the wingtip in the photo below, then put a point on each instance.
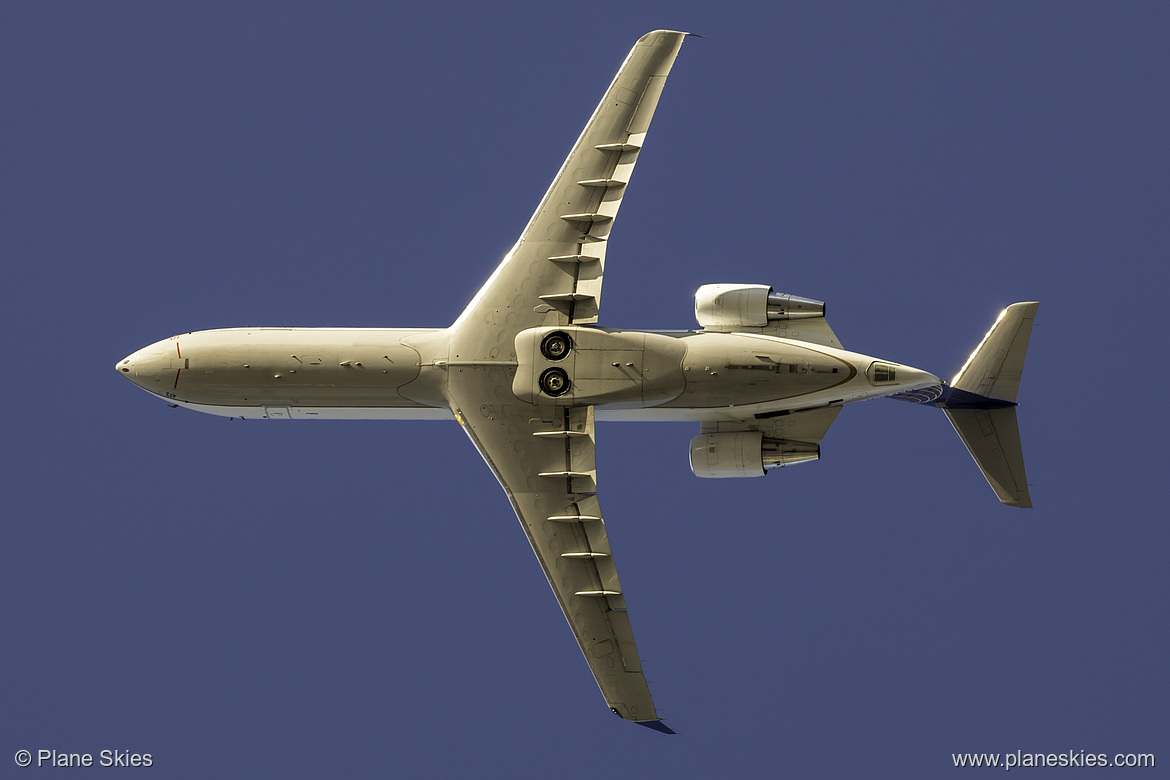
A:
(664, 31)
(656, 725)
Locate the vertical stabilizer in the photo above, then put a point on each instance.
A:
(981, 402)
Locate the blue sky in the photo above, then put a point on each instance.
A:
(350, 599)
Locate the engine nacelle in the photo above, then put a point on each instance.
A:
(746, 454)
(732, 306)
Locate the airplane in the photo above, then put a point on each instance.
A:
(526, 371)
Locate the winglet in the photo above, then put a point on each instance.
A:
(657, 725)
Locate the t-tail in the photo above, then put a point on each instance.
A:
(981, 403)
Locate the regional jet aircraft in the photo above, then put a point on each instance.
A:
(526, 370)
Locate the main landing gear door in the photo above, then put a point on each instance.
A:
(577, 366)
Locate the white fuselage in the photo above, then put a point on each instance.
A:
(386, 374)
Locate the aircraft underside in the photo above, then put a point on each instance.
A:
(526, 371)
(325, 373)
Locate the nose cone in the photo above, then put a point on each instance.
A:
(150, 368)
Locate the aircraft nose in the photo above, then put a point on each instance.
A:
(152, 368)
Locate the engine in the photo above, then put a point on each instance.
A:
(746, 454)
(733, 306)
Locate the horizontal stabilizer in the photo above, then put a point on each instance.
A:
(992, 437)
(657, 725)
(994, 368)
(981, 403)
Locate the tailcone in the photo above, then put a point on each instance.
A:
(957, 398)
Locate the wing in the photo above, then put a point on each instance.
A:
(544, 459)
(552, 276)
(544, 456)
